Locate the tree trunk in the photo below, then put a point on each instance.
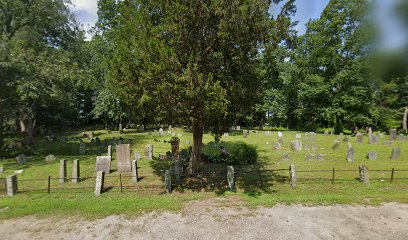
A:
(197, 147)
(404, 120)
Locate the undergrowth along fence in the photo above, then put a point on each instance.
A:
(221, 180)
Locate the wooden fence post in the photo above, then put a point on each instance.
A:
(230, 178)
(392, 174)
(49, 184)
(292, 176)
(333, 175)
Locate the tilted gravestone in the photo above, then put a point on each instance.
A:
(372, 155)
(359, 137)
(148, 151)
(21, 159)
(336, 146)
(296, 145)
(395, 153)
(393, 134)
(123, 158)
(350, 154)
(103, 163)
(50, 158)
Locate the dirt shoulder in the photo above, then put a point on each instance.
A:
(221, 218)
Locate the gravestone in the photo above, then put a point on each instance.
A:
(170, 128)
(82, 148)
(350, 154)
(286, 157)
(167, 181)
(310, 157)
(175, 147)
(320, 157)
(395, 153)
(239, 128)
(277, 145)
(63, 171)
(161, 132)
(173, 134)
(21, 159)
(306, 147)
(381, 135)
(373, 138)
(387, 142)
(226, 134)
(298, 136)
(314, 147)
(100, 178)
(372, 155)
(280, 134)
(393, 134)
(345, 139)
(359, 137)
(103, 163)
(268, 133)
(179, 135)
(245, 133)
(11, 185)
(50, 158)
(148, 151)
(336, 146)
(296, 145)
(230, 178)
(184, 155)
(402, 137)
(137, 156)
(1, 169)
(109, 151)
(75, 171)
(326, 133)
(135, 175)
(123, 158)
(363, 172)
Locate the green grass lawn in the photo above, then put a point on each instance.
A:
(148, 194)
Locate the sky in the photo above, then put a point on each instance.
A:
(393, 34)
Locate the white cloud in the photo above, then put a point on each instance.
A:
(87, 5)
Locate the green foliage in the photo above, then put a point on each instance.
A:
(239, 154)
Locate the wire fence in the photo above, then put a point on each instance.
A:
(212, 180)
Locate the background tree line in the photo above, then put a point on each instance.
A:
(205, 64)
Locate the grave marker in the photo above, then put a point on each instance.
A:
(103, 163)
(123, 158)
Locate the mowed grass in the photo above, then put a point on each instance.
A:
(254, 187)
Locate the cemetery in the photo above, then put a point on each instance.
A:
(79, 169)
(131, 119)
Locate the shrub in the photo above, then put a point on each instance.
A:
(238, 154)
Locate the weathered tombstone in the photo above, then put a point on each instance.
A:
(395, 153)
(307, 137)
(381, 135)
(109, 151)
(226, 134)
(280, 134)
(387, 142)
(363, 172)
(268, 133)
(173, 134)
(277, 145)
(148, 151)
(286, 157)
(320, 157)
(100, 178)
(402, 137)
(103, 163)
(175, 147)
(230, 178)
(326, 133)
(184, 155)
(372, 155)
(345, 139)
(292, 176)
(11, 185)
(239, 128)
(50, 158)
(63, 171)
(335, 146)
(1, 169)
(167, 181)
(179, 135)
(76, 173)
(350, 154)
(135, 175)
(161, 132)
(306, 147)
(123, 158)
(310, 157)
(314, 147)
(393, 134)
(21, 159)
(359, 137)
(82, 148)
(170, 128)
(298, 136)
(373, 138)
(296, 145)
(137, 156)
(245, 133)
